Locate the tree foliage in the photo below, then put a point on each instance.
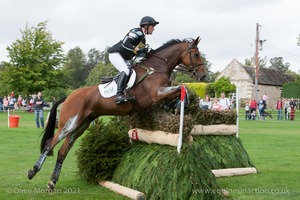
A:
(76, 66)
(222, 85)
(278, 64)
(99, 71)
(35, 61)
(262, 62)
(80, 66)
(94, 57)
(291, 90)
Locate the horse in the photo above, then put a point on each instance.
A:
(84, 105)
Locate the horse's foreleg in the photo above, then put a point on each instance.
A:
(168, 92)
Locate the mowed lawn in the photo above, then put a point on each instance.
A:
(273, 147)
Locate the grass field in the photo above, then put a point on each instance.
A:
(273, 147)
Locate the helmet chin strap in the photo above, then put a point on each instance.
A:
(146, 29)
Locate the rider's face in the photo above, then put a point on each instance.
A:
(150, 29)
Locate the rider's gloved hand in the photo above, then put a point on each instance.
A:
(142, 50)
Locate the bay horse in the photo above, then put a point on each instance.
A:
(84, 105)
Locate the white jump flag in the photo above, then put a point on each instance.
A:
(182, 97)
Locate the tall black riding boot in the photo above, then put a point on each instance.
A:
(121, 86)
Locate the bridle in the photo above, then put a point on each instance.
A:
(191, 69)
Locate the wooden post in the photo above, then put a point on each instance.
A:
(125, 191)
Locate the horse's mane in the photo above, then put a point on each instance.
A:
(168, 44)
(171, 43)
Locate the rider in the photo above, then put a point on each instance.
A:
(121, 53)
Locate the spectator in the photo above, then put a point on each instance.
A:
(247, 111)
(279, 107)
(5, 103)
(292, 114)
(288, 113)
(293, 105)
(216, 105)
(206, 103)
(286, 105)
(12, 94)
(261, 108)
(253, 106)
(24, 103)
(11, 104)
(224, 101)
(19, 104)
(38, 110)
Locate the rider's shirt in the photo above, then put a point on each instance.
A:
(126, 46)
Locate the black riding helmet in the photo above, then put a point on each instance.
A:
(147, 20)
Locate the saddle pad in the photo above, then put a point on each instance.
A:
(109, 89)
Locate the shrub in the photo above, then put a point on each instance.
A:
(101, 149)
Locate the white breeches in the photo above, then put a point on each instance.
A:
(120, 64)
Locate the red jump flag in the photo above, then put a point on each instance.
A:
(182, 97)
(183, 92)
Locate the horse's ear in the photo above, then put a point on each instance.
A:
(196, 42)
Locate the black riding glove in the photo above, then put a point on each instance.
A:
(142, 50)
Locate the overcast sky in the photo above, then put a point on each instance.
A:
(227, 27)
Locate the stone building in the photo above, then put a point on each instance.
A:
(270, 81)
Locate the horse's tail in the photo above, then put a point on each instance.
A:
(49, 130)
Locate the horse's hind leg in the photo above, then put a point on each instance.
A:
(51, 144)
(68, 128)
(39, 163)
(62, 154)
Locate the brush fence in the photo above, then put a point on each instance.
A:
(165, 138)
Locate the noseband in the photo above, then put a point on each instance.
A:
(192, 68)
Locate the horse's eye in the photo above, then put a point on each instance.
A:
(196, 54)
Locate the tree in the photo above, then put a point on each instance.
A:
(294, 75)
(99, 71)
(77, 67)
(94, 57)
(277, 64)
(35, 61)
(222, 85)
(298, 43)
(261, 61)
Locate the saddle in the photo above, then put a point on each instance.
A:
(108, 86)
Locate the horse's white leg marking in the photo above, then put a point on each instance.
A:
(167, 90)
(69, 126)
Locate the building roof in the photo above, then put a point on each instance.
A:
(269, 76)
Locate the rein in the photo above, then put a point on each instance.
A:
(191, 69)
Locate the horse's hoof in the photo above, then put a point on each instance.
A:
(30, 174)
(51, 186)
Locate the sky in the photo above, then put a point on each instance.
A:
(227, 27)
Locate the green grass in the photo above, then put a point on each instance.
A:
(19, 150)
(273, 147)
